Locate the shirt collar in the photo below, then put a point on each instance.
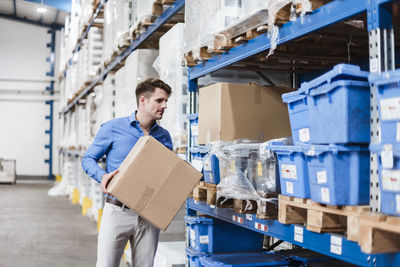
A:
(133, 121)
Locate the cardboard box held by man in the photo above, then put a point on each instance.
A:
(154, 182)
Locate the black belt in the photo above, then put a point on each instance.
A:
(115, 202)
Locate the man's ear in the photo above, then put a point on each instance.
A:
(142, 98)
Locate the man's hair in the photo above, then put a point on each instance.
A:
(148, 86)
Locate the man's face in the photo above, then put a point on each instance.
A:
(156, 104)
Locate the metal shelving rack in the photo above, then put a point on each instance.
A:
(83, 36)
(382, 58)
(160, 21)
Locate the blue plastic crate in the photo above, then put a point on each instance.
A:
(194, 257)
(214, 236)
(388, 87)
(338, 174)
(299, 103)
(293, 170)
(194, 129)
(337, 73)
(339, 113)
(211, 169)
(389, 177)
(245, 260)
(298, 115)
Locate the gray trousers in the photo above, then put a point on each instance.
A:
(119, 225)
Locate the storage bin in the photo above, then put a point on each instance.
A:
(389, 176)
(193, 129)
(211, 169)
(244, 260)
(339, 113)
(194, 257)
(213, 236)
(388, 87)
(298, 115)
(293, 170)
(338, 174)
(339, 72)
(299, 103)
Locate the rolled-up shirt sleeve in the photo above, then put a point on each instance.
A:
(101, 144)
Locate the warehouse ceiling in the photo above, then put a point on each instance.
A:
(26, 11)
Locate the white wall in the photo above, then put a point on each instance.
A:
(23, 54)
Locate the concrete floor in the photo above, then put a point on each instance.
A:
(38, 230)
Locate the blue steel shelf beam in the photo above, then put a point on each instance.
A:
(324, 16)
(84, 35)
(332, 245)
(167, 14)
(50, 88)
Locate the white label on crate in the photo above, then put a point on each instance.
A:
(196, 202)
(195, 130)
(390, 108)
(192, 234)
(304, 135)
(298, 234)
(398, 203)
(249, 217)
(322, 177)
(289, 171)
(391, 180)
(373, 65)
(212, 206)
(387, 158)
(204, 239)
(336, 245)
(289, 187)
(197, 164)
(325, 194)
(207, 164)
(398, 132)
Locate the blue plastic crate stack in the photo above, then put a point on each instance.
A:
(330, 123)
(196, 152)
(388, 150)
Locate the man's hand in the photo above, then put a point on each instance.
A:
(105, 180)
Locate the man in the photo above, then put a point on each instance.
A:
(115, 139)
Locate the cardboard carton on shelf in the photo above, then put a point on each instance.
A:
(230, 111)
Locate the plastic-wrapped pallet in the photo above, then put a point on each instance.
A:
(138, 67)
(247, 172)
(145, 9)
(123, 23)
(205, 18)
(108, 30)
(7, 171)
(95, 51)
(107, 109)
(173, 73)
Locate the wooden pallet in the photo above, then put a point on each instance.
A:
(262, 209)
(320, 217)
(205, 192)
(379, 233)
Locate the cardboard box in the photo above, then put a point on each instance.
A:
(234, 111)
(154, 182)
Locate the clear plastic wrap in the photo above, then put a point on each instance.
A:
(247, 172)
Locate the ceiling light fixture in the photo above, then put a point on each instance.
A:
(41, 9)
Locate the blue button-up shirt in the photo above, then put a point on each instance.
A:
(115, 139)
